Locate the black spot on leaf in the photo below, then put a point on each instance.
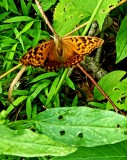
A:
(60, 117)
(80, 135)
(62, 133)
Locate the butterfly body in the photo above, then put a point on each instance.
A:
(61, 52)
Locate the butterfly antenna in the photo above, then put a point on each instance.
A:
(100, 89)
(15, 80)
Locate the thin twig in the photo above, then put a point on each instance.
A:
(45, 17)
(100, 89)
(79, 27)
(3, 75)
(121, 2)
(14, 82)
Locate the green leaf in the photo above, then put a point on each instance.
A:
(72, 12)
(75, 101)
(28, 108)
(45, 5)
(28, 25)
(52, 90)
(119, 95)
(4, 4)
(104, 10)
(96, 104)
(6, 26)
(24, 8)
(121, 41)
(10, 56)
(15, 103)
(26, 143)
(82, 126)
(3, 15)
(69, 83)
(12, 7)
(108, 83)
(44, 75)
(108, 152)
(0, 87)
(18, 19)
(39, 89)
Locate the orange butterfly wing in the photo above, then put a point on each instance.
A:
(72, 49)
(37, 56)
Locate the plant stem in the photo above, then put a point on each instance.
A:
(92, 17)
(3, 75)
(14, 82)
(61, 80)
(45, 17)
(100, 89)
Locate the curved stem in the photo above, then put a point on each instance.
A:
(14, 82)
(3, 75)
(100, 89)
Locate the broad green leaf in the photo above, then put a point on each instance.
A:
(121, 41)
(119, 98)
(47, 4)
(104, 10)
(72, 12)
(119, 95)
(108, 152)
(108, 83)
(82, 126)
(25, 143)
(18, 19)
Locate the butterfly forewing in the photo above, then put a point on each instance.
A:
(37, 56)
(83, 44)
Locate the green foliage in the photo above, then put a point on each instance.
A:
(99, 134)
(121, 41)
(26, 143)
(114, 88)
(106, 152)
(82, 10)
